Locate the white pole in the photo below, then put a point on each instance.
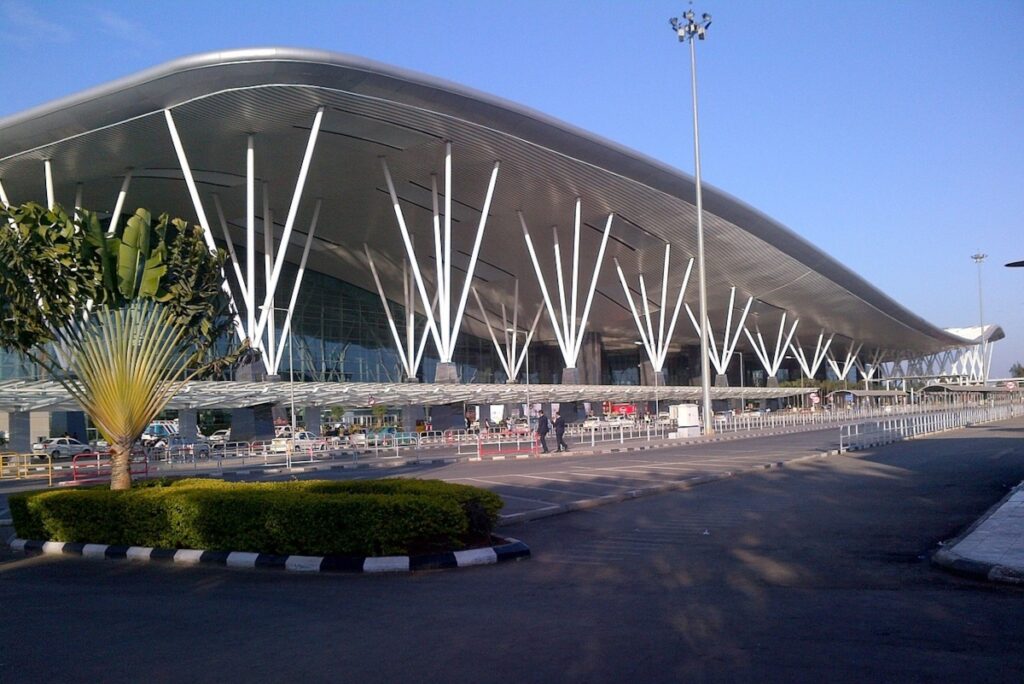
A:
(119, 204)
(250, 235)
(50, 201)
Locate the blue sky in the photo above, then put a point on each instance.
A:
(889, 134)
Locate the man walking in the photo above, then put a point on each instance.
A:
(560, 433)
(542, 431)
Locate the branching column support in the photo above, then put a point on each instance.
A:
(810, 368)
(445, 327)
(851, 356)
(871, 368)
(509, 354)
(289, 225)
(655, 344)
(409, 352)
(772, 362)
(569, 330)
(729, 338)
(115, 217)
(276, 360)
(201, 213)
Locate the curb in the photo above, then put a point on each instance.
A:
(965, 566)
(509, 550)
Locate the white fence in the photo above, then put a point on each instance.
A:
(863, 435)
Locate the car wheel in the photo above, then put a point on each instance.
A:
(55, 454)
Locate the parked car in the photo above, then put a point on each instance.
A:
(219, 438)
(176, 447)
(60, 447)
(158, 430)
(303, 441)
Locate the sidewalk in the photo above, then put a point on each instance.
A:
(993, 547)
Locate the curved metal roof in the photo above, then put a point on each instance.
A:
(375, 110)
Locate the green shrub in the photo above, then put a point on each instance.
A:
(367, 517)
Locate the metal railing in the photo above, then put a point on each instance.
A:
(26, 466)
(867, 434)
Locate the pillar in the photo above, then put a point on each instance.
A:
(19, 434)
(187, 424)
(71, 422)
(446, 373)
(252, 422)
(589, 361)
(312, 418)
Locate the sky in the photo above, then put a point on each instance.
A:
(888, 134)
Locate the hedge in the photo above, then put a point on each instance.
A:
(361, 518)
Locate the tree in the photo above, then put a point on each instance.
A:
(1017, 370)
(121, 321)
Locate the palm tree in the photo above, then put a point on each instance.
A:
(120, 321)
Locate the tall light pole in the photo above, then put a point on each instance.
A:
(291, 379)
(526, 341)
(689, 30)
(980, 257)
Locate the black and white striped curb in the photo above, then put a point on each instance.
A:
(509, 550)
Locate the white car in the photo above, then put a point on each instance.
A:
(178, 447)
(303, 441)
(60, 447)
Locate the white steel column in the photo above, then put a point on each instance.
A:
(250, 234)
(295, 288)
(410, 357)
(569, 332)
(772, 362)
(656, 346)
(811, 368)
(79, 188)
(203, 222)
(242, 285)
(446, 329)
(509, 354)
(289, 223)
(720, 360)
(851, 355)
(119, 204)
(50, 200)
(268, 261)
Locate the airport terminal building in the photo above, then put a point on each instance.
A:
(388, 229)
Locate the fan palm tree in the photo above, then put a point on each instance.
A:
(120, 321)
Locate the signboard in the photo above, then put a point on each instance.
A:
(1011, 385)
(815, 399)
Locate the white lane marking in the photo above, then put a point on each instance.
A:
(519, 486)
(571, 481)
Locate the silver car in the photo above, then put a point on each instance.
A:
(60, 447)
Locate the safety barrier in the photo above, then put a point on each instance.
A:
(867, 434)
(26, 466)
(501, 443)
(95, 467)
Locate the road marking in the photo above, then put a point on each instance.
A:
(555, 479)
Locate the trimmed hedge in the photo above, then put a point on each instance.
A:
(315, 517)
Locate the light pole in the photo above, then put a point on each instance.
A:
(979, 257)
(526, 341)
(291, 378)
(688, 30)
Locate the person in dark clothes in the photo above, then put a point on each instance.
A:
(543, 427)
(560, 433)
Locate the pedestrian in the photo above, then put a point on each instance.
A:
(560, 433)
(543, 427)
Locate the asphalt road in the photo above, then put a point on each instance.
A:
(813, 572)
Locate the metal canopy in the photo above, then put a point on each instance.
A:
(373, 110)
(20, 395)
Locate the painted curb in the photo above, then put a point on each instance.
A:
(509, 550)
